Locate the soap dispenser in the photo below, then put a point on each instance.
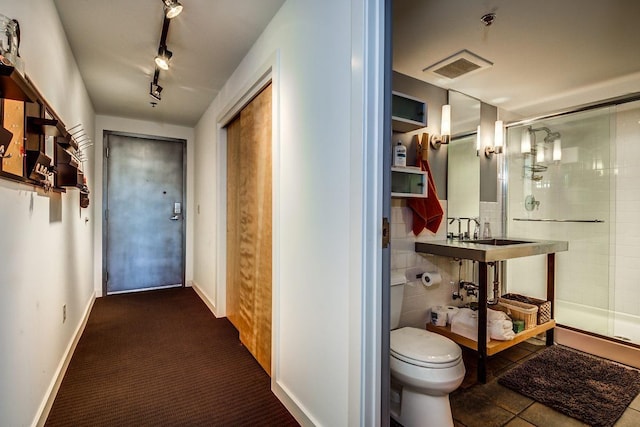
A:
(400, 155)
(486, 231)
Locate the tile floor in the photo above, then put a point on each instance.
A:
(492, 405)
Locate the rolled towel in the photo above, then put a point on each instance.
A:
(507, 325)
(496, 315)
(497, 333)
(465, 316)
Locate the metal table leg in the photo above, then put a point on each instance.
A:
(551, 286)
(482, 323)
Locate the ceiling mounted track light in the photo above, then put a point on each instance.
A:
(163, 57)
(155, 90)
(172, 8)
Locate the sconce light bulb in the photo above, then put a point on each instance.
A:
(445, 126)
(525, 142)
(557, 150)
(499, 136)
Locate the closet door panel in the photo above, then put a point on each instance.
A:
(249, 233)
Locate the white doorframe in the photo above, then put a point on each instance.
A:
(370, 126)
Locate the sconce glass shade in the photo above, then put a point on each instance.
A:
(445, 125)
(557, 149)
(173, 8)
(162, 59)
(525, 142)
(499, 136)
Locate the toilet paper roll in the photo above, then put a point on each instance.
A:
(439, 315)
(430, 279)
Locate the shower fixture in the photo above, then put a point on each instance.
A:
(529, 146)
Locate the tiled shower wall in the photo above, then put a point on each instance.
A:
(627, 207)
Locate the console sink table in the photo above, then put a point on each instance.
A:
(485, 252)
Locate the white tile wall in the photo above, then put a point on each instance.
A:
(418, 298)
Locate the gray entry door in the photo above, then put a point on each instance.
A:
(144, 218)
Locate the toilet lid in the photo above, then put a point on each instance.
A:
(423, 348)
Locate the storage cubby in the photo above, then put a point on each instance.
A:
(408, 113)
(408, 182)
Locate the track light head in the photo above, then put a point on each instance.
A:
(163, 57)
(172, 8)
(155, 90)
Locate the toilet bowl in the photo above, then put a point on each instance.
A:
(425, 368)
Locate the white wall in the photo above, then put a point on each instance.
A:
(318, 198)
(46, 244)
(118, 124)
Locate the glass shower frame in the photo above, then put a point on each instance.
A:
(573, 199)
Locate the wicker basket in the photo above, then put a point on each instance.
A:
(544, 307)
(521, 311)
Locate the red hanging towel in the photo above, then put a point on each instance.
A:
(427, 213)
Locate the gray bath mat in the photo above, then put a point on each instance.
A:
(585, 387)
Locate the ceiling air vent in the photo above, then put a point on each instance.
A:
(458, 64)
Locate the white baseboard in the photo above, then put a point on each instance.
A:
(204, 297)
(291, 405)
(280, 392)
(52, 391)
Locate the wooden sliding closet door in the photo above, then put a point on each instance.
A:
(249, 226)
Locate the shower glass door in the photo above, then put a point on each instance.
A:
(560, 179)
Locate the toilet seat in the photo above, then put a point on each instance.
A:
(422, 348)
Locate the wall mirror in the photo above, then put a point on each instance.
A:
(463, 165)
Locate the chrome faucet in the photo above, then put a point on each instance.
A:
(476, 230)
(459, 235)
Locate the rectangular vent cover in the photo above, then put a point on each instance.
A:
(459, 64)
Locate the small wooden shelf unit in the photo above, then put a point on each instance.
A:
(493, 346)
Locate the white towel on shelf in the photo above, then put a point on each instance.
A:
(496, 315)
(501, 324)
(496, 332)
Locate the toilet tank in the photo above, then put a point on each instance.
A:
(397, 292)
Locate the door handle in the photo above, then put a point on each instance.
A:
(175, 218)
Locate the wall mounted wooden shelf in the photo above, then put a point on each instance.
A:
(47, 147)
(14, 86)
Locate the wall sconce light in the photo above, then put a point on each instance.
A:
(498, 141)
(172, 8)
(163, 57)
(445, 128)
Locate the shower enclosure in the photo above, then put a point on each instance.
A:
(574, 177)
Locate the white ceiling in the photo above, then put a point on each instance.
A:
(548, 55)
(114, 43)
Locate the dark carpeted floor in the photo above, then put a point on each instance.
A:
(162, 358)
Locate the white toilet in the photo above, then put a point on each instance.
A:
(425, 368)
